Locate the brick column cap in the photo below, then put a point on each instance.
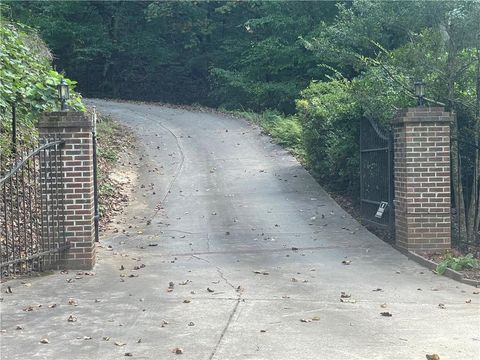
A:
(65, 119)
(423, 115)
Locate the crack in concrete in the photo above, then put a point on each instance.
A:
(200, 258)
(179, 167)
(226, 280)
(230, 318)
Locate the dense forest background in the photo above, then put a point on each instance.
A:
(308, 71)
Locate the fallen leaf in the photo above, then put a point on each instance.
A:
(177, 351)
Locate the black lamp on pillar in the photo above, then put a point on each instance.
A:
(420, 92)
(63, 94)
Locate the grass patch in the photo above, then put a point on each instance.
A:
(284, 130)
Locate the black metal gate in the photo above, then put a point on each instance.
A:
(32, 210)
(376, 176)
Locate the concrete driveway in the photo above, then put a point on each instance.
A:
(243, 256)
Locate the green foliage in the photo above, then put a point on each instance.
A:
(330, 117)
(108, 136)
(285, 130)
(236, 54)
(28, 81)
(456, 263)
(351, 59)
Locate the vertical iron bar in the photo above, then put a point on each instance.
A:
(51, 208)
(12, 220)
(6, 223)
(18, 220)
(41, 164)
(47, 214)
(36, 209)
(25, 242)
(57, 207)
(63, 197)
(30, 200)
(14, 128)
(391, 186)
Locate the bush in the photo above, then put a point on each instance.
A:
(28, 81)
(285, 130)
(330, 117)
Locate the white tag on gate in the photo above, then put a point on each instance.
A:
(381, 209)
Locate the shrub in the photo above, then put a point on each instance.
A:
(330, 117)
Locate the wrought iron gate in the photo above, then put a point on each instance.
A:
(32, 210)
(376, 176)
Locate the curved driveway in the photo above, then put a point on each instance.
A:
(254, 248)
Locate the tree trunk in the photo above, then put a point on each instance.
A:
(457, 185)
(455, 155)
(477, 141)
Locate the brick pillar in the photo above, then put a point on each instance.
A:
(76, 129)
(422, 179)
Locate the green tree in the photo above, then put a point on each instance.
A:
(27, 81)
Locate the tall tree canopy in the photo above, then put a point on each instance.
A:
(234, 54)
(326, 63)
